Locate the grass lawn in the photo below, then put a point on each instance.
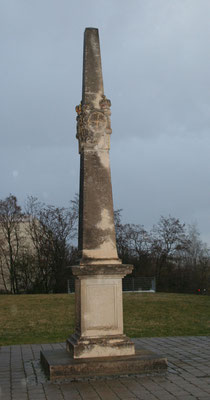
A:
(50, 318)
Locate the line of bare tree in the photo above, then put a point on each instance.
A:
(38, 244)
(171, 251)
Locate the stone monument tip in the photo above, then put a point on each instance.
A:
(91, 29)
(92, 87)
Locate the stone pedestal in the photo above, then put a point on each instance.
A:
(99, 313)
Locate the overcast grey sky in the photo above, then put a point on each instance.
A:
(156, 69)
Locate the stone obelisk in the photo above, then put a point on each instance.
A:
(98, 346)
(98, 284)
(96, 219)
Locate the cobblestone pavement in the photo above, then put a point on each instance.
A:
(187, 378)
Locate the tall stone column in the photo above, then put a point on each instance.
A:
(99, 314)
(98, 347)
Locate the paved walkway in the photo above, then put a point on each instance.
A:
(187, 378)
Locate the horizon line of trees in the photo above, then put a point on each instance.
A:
(37, 247)
(171, 251)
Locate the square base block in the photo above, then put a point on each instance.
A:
(99, 312)
(105, 346)
(60, 365)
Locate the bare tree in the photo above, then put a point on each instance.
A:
(169, 239)
(121, 236)
(133, 244)
(197, 259)
(51, 229)
(10, 217)
(138, 239)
